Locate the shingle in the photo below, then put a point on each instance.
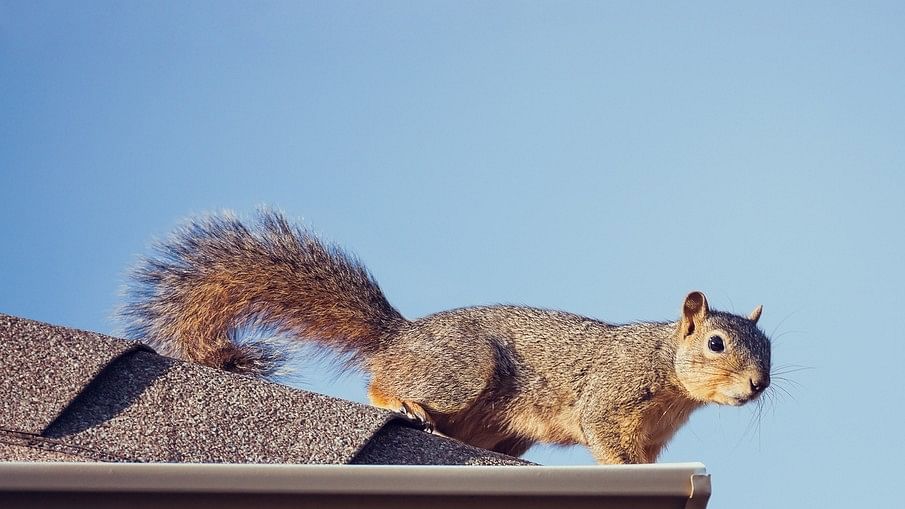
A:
(158, 409)
(134, 405)
(399, 445)
(44, 368)
(24, 452)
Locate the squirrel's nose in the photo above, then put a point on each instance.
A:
(758, 385)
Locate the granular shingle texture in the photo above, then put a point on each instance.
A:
(397, 445)
(72, 395)
(42, 382)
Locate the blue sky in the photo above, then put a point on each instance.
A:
(602, 158)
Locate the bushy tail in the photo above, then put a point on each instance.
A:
(216, 277)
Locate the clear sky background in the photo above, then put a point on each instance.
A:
(599, 157)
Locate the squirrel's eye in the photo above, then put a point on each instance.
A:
(716, 344)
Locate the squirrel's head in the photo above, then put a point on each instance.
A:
(721, 357)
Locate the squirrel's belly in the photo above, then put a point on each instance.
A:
(487, 424)
(550, 424)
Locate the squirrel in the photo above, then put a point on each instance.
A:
(499, 377)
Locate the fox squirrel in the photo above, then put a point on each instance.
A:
(498, 377)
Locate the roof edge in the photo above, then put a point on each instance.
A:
(676, 479)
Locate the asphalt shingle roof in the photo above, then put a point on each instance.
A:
(72, 395)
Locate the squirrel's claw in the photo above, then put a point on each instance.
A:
(414, 413)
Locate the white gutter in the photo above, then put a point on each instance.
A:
(661, 485)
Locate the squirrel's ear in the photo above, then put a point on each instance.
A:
(755, 315)
(694, 311)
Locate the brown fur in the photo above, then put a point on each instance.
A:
(498, 377)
